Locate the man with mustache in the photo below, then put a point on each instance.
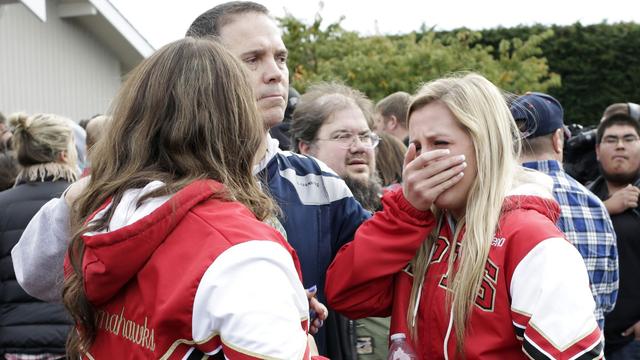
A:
(618, 152)
(332, 122)
(319, 213)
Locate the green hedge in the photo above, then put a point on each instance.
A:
(586, 67)
(599, 64)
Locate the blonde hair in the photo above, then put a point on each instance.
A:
(481, 109)
(39, 141)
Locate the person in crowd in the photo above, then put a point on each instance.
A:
(583, 218)
(389, 158)
(162, 196)
(280, 132)
(392, 116)
(618, 153)
(318, 212)
(467, 256)
(83, 122)
(45, 152)
(5, 134)
(80, 139)
(95, 129)
(332, 123)
(8, 170)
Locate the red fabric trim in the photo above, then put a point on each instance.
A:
(236, 355)
(520, 319)
(539, 341)
(210, 345)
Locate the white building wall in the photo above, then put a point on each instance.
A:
(53, 66)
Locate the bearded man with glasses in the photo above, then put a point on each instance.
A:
(618, 152)
(333, 123)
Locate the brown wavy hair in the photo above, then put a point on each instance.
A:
(185, 113)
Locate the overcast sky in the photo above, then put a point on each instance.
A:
(163, 21)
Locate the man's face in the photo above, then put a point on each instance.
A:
(255, 39)
(357, 161)
(619, 154)
(378, 123)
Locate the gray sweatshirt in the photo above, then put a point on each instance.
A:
(38, 256)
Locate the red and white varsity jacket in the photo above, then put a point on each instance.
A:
(190, 276)
(534, 299)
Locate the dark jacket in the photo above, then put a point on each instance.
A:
(27, 325)
(627, 310)
(320, 215)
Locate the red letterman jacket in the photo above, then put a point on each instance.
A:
(534, 299)
(190, 276)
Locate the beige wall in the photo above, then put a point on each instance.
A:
(53, 67)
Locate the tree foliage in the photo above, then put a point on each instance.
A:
(380, 65)
(599, 64)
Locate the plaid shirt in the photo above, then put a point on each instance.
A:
(587, 225)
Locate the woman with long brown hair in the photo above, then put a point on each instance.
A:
(170, 257)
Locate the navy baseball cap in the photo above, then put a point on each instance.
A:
(537, 114)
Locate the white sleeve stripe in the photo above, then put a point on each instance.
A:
(251, 295)
(314, 189)
(215, 351)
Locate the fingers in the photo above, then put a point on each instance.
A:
(317, 311)
(630, 196)
(315, 326)
(429, 174)
(414, 161)
(441, 182)
(633, 330)
(409, 155)
(321, 311)
(311, 292)
(632, 190)
(439, 170)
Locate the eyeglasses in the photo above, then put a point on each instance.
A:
(345, 140)
(614, 140)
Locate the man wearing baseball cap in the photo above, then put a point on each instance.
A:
(584, 218)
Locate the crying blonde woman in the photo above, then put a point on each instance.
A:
(468, 260)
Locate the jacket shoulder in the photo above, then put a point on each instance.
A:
(231, 221)
(34, 191)
(312, 181)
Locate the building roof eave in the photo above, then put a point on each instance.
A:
(106, 23)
